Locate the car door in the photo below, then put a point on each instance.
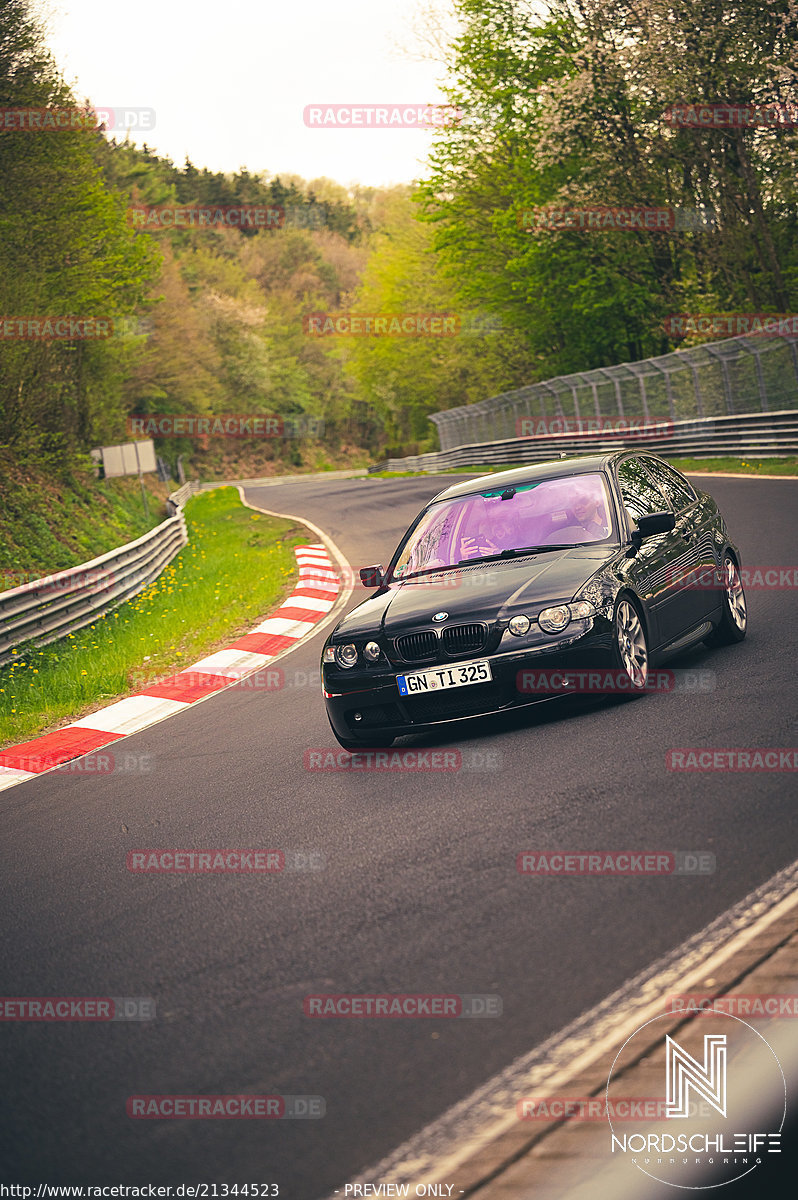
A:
(695, 567)
(656, 568)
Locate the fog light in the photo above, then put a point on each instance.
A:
(519, 625)
(358, 716)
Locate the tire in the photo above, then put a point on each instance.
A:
(630, 645)
(733, 623)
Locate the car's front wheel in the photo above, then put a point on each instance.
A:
(630, 645)
(734, 620)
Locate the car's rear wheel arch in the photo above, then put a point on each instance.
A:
(728, 552)
(733, 623)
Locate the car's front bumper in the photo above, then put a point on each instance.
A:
(367, 702)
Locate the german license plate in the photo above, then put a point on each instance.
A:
(458, 675)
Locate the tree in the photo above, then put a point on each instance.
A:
(67, 251)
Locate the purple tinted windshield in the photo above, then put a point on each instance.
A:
(571, 510)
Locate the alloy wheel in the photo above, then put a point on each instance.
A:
(735, 596)
(631, 641)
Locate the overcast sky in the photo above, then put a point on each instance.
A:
(229, 80)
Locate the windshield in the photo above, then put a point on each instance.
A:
(570, 511)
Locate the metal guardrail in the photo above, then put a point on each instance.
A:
(763, 435)
(731, 377)
(46, 609)
(177, 499)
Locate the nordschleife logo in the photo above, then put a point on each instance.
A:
(707, 1080)
(715, 1108)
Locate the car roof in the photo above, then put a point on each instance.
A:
(552, 468)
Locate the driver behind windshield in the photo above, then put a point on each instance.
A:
(571, 511)
(495, 532)
(589, 514)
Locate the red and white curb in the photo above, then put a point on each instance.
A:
(312, 599)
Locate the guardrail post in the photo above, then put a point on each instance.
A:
(699, 402)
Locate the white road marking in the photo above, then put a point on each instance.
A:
(130, 715)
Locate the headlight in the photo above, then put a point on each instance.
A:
(371, 651)
(346, 656)
(552, 620)
(582, 609)
(519, 625)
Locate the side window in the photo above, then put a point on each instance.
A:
(639, 494)
(677, 491)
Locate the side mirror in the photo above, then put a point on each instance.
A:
(371, 577)
(658, 522)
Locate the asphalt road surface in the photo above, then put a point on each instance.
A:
(419, 893)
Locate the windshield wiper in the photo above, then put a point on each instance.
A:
(466, 562)
(426, 571)
(504, 554)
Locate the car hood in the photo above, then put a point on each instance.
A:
(486, 590)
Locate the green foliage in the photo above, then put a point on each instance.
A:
(406, 378)
(49, 523)
(563, 105)
(565, 109)
(67, 251)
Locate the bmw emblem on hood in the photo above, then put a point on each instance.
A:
(441, 616)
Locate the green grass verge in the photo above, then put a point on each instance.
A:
(49, 523)
(239, 565)
(735, 466)
(738, 466)
(449, 471)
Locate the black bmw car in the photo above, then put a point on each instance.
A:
(506, 587)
